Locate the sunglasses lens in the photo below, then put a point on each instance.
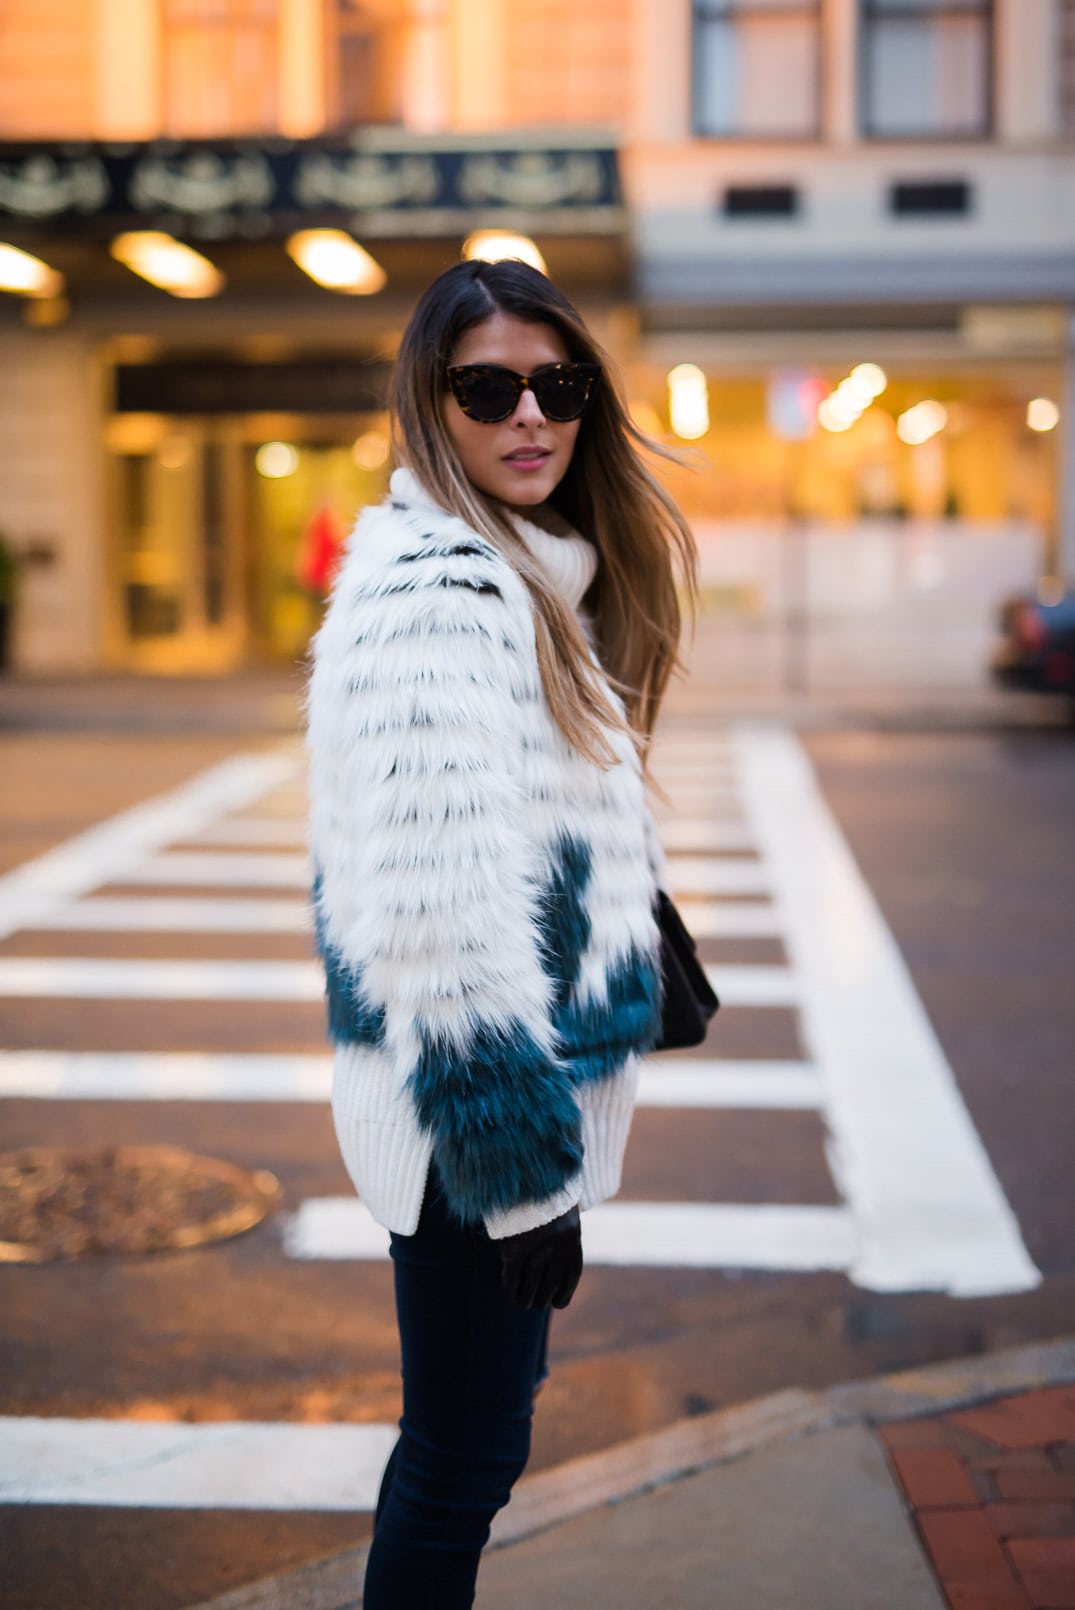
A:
(487, 395)
(563, 393)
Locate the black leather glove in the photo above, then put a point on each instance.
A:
(543, 1266)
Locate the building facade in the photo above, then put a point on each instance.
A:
(759, 207)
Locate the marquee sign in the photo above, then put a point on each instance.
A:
(261, 189)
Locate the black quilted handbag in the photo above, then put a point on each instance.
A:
(689, 1000)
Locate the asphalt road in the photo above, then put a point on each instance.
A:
(940, 1230)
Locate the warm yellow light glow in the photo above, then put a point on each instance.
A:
(869, 379)
(167, 263)
(370, 450)
(335, 260)
(494, 245)
(831, 417)
(274, 460)
(921, 422)
(26, 275)
(1042, 414)
(646, 417)
(688, 401)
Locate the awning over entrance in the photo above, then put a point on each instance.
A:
(239, 200)
(379, 183)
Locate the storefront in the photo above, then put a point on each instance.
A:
(208, 454)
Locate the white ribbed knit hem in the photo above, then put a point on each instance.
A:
(387, 1155)
(383, 1148)
(607, 1109)
(528, 1215)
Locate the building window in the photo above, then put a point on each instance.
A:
(757, 68)
(1066, 67)
(221, 66)
(365, 47)
(927, 68)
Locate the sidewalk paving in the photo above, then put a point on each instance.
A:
(946, 1488)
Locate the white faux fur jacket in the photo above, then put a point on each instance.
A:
(483, 894)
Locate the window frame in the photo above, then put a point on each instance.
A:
(705, 12)
(871, 11)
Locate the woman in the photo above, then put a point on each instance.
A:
(483, 691)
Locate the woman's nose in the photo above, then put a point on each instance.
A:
(527, 411)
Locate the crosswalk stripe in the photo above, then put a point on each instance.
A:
(703, 833)
(252, 1076)
(688, 1235)
(227, 1464)
(905, 1153)
(106, 852)
(123, 979)
(695, 875)
(248, 831)
(182, 914)
(99, 978)
(258, 914)
(731, 919)
(666, 1082)
(256, 870)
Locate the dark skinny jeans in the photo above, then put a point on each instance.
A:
(471, 1364)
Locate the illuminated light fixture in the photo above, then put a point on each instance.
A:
(335, 260)
(494, 245)
(921, 422)
(869, 379)
(274, 460)
(167, 263)
(688, 401)
(831, 418)
(1042, 414)
(370, 450)
(26, 275)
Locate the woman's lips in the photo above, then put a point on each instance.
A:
(528, 458)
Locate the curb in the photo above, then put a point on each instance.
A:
(683, 1449)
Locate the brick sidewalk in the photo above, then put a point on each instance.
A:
(993, 1494)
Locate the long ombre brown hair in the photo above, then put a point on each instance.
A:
(607, 494)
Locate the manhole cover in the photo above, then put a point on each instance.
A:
(117, 1201)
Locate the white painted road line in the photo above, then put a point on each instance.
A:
(703, 833)
(929, 1210)
(731, 919)
(91, 977)
(165, 1076)
(697, 874)
(667, 1082)
(107, 852)
(183, 914)
(247, 832)
(130, 979)
(229, 1464)
(668, 1235)
(258, 870)
(252, 1076)
(754, 986)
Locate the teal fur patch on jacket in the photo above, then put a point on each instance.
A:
(504, 1121)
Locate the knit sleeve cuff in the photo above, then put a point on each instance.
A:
(528, 1215)
(607, 1108)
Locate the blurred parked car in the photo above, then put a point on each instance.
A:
(1037, 644)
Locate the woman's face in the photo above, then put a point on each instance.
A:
(523, 458)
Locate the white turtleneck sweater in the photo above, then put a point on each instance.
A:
(569, 561)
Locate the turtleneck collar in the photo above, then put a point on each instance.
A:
(569, 561)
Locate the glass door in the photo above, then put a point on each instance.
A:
(177, 525)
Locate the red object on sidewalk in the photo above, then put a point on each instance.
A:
(992, 1496)
(322, 546)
